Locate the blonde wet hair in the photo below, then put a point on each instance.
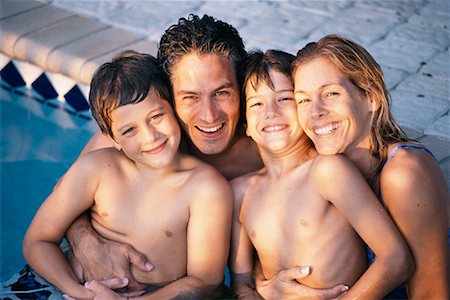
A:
(365, 73)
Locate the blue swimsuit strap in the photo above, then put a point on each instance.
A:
(408, 147)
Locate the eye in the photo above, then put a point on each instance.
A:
(303, 100)
(189, 97)
(255, 104)
(157, 116)
(222, 93)
(286, 98)
(128, 131)
(331, 94)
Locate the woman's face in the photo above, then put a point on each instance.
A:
(331, 110)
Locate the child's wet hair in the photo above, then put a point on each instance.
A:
(127, 79)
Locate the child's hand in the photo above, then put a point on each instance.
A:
(285, 285)
(104, 289)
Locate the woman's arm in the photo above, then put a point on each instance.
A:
(415, 194)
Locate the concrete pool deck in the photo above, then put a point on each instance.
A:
(410, 40)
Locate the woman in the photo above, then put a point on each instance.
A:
(343, 106)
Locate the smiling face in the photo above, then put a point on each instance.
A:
(331, 110)
(206, 97)
(272, 114)
(147, 131)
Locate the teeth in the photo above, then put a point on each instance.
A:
(326, 129)
(210, 129)
(273, 128)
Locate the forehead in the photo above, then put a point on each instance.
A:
(280, 81)
(317, 72)
(152, 102)
(196, 71)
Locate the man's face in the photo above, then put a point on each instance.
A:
(206, 96)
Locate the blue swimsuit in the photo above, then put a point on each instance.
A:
(400, 291)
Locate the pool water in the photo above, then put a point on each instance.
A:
(38, 144)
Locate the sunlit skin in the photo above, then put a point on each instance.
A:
(264, 107)
(147, 196)
(331, 110)
(292, 210)
(208, 109)
(147, 132)
(336, 116)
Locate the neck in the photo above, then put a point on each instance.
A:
(281, 162)
(363, 160)
(240, 157)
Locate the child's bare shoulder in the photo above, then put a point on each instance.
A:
(203, 177)
(325, 167)
(98, 159)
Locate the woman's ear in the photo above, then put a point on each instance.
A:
(373, 103)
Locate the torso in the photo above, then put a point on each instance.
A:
(290, 225)
(150, 214)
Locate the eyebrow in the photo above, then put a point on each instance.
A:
(159, 107)
(223, 86)
(278, 91)
(321, 87)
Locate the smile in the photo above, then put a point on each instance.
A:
(327, 129)
(210, 129)
(156, 149)
(274, 128)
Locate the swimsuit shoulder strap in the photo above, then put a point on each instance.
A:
(408, 147)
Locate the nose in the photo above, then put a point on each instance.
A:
(209, 110)
(149, 134)
(318, 108)
(272, 111)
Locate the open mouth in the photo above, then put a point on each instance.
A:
(213, 129)
(327, 129)
(274, 128)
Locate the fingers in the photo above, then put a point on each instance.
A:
(294, 273)
(139, 260)
(112, 283)
(335, 292)
(132, 294)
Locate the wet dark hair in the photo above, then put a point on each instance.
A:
(127, 79)
(202, 35)
(255, 69)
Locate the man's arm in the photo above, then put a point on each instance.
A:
(101, 258)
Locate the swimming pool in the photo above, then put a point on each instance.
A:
(39, 141)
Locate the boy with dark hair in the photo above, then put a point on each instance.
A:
(143, 192)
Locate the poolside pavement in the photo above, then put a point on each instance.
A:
(409, 38)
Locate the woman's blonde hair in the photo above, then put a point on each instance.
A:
(365, 73)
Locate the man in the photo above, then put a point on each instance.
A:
(202, 57)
